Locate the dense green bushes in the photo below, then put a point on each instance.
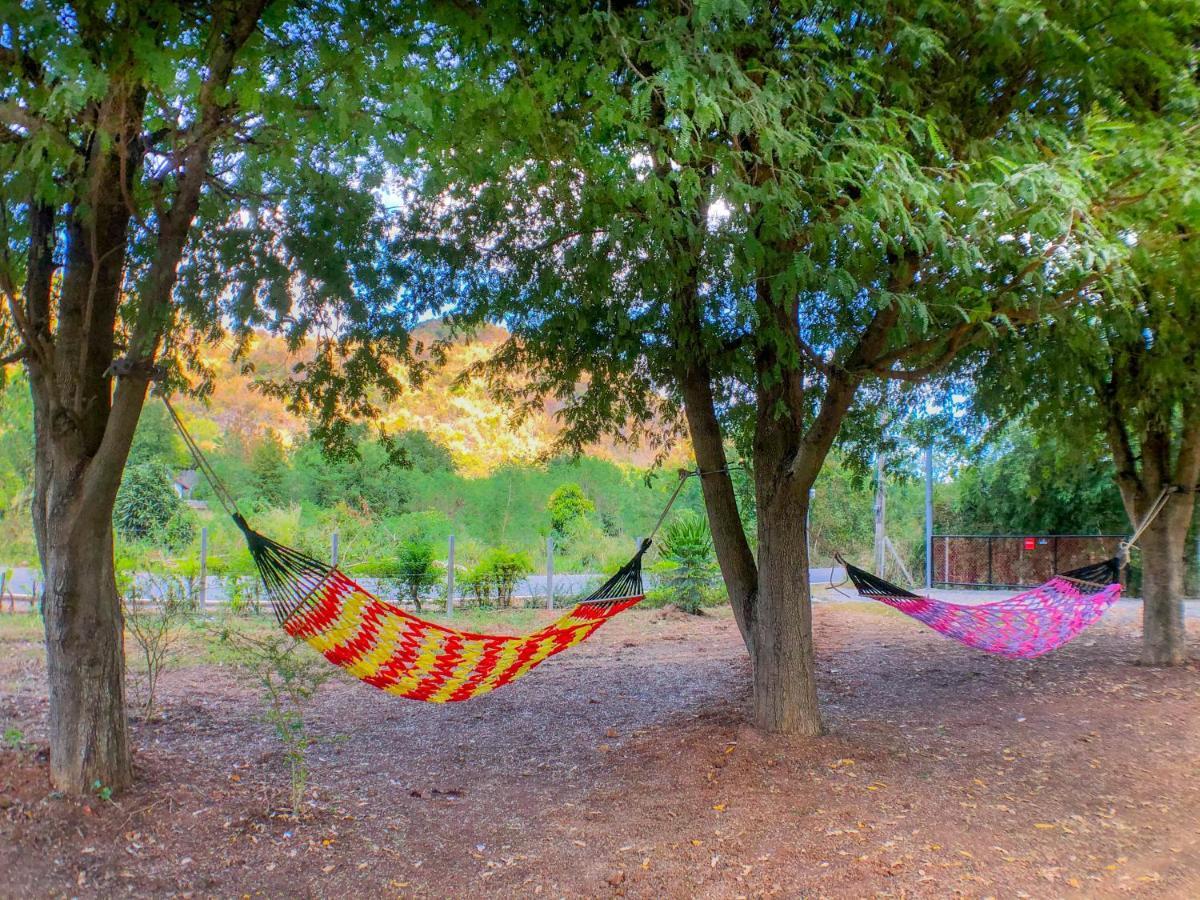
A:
(149, 510)
(686, 570)
(492, 581)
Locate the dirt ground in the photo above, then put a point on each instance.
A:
(626, 767)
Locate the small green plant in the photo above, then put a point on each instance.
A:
(245, 598)
(13, 737)
(494, 578)
(148, 509)
(154, 630)
(101, 790)
(287, 677)
(419, 572)
(686, 566)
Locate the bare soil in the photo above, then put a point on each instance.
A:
(627, 767)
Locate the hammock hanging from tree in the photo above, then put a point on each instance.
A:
(1031, 623)
(403, 654)
(1022, 627)
(395, 651)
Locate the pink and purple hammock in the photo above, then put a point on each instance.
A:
(1021, 627)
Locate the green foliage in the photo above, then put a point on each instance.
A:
(13, 737)
(1114, 382)
(268, 466)
(841, 514)
(492, 580)
(156, 440)
(567, 505)
(101, 790)
(16, 445)
(245, 594)
(287, 676)
(1039, 484)
(784, 202)
(414, 569)
(687, 568)
(292, 238)
(418, 570)
(149, 510)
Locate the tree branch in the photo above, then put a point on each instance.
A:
(20, 61)
(1187, 462)
(226, 40)
(14, 116)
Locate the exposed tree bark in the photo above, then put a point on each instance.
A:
(785, 687)
(74, 493)
(85, 659)
(734, 556)
(1164, 637)
(83, 427)
(1161, 465)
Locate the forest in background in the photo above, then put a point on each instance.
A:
(467, 469)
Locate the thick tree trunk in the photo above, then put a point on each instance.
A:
(785, 688)
(85, 658)
(734, 556)
(1164, 637)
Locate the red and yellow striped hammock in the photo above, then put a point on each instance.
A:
(395, 651)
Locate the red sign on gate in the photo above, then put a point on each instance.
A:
(1029, 543)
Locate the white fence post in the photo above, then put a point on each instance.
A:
(203, 568)
(450, 578)
(333, 549)
(550, 571)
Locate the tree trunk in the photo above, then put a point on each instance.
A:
(1164, 636)
(85, 658)
(785, 688)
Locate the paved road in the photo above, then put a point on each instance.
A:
(21, 582)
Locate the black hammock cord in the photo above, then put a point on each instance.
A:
(294, 579)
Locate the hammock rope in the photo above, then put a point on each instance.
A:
(391, 649)
(1033, 622)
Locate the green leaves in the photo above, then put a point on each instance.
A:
(740, 160)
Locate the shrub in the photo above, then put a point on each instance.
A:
(686, 565)
(245, 594)
(413, 570)
(154, 631)
(287, 676)
(566, 506)
(494, 578)
(148, 509)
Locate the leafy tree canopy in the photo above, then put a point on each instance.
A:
(801, 196)
(567, 505)
(245, 143)
(1037, 484)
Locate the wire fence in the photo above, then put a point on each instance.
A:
(443, 585)
(1016, 561)
(1009, 561)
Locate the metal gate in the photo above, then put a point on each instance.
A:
(1012, 561)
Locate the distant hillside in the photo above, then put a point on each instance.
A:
(478, 432)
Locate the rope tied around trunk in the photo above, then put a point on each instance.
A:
(1160, 503)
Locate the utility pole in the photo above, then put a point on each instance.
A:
(880, 516)
(928, 515)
